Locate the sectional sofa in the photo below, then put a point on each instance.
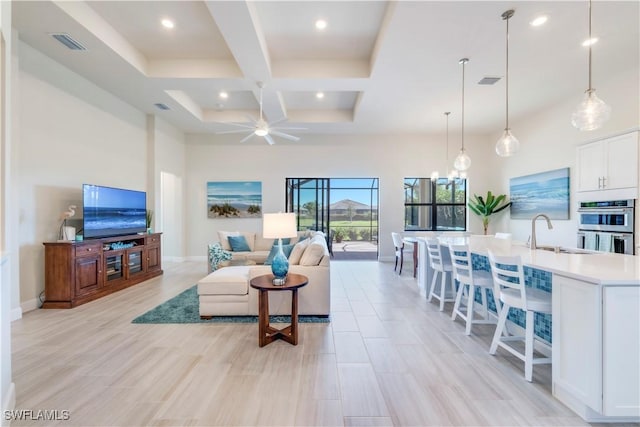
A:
(226, 291)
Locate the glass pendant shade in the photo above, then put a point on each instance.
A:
(591, 113)
(462, 161)
(507, 145)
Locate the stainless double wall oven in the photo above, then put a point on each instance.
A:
(607, 226)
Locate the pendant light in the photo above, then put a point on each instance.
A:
(435, 175)
(451, 174)
(592, 111)
(462, 161)
(508, 144)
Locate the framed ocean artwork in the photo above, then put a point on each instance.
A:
(234, 199)
(544, 192)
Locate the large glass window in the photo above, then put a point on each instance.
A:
(438, 205)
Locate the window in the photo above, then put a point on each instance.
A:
(439, 205)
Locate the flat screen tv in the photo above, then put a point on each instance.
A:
(113, 211)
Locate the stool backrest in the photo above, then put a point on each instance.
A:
(435, 254)
(507, 272)
(461, 263)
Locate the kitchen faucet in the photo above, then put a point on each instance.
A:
(533, 244)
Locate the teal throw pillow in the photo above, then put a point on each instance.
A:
(217, 255)
(239, 244)
(274, 250)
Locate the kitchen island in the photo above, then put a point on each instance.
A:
(595, 322)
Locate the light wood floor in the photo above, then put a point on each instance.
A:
(388, 357)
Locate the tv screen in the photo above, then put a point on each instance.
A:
(113, 211)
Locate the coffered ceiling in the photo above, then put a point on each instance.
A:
(383, 67)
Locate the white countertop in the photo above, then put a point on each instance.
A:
(598, 267)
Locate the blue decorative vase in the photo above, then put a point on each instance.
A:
(280, 264)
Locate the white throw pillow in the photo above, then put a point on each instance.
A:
(312, 254)
(297, 252)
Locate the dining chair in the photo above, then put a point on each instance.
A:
(469, 280)
(509, 285)
(400, 250)
(442, 267)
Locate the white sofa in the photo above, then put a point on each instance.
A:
(258, 245)
(226, 291)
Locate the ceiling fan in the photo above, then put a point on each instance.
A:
(261, 127)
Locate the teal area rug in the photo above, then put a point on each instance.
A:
(183, 308)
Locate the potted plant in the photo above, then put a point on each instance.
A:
(485, 207)
(149, 219)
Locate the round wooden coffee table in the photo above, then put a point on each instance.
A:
(264, 284)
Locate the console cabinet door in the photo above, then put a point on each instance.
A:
(154, 261)
(88, 274)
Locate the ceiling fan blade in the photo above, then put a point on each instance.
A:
(278, 121)
(284, 135)
(269, 139)
(235, 131)
(286, 128)
(248, 137)
(240, 125)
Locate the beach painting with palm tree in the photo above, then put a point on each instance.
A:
(234, 199)
(544, 192)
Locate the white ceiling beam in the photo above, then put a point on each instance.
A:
(239, 25)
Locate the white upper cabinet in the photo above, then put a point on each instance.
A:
(608, 169)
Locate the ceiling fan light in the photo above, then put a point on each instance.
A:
(261, 132)
(462, 161)
(591, 113)
(507, 145)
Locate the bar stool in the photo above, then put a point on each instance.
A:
(440, 266)
(509, 284)
(464, 273)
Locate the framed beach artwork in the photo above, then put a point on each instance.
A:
(234, 199)
(544, 192)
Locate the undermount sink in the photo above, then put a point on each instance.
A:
(563, 250)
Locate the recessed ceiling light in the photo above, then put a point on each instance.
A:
(589, 42)
(321, 24)
(223, 94)
(319, 95)
(540, 20)
(167, 23)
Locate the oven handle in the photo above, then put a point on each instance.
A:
(603, 210)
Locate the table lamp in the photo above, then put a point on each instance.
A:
(279, 226)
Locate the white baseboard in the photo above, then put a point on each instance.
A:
(30, 305)
(202, 258)
(174, 258)
(16, 313)
(9, 403)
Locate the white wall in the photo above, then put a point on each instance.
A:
(169, 160)
(71, 132)
(548, 141)
(7, 256)
(390, 158)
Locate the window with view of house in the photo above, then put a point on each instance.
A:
(435, 205)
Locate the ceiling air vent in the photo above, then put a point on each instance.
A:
(161, 106)
(489, 80)
(68, 41)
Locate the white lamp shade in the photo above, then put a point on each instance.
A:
(279, 225)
